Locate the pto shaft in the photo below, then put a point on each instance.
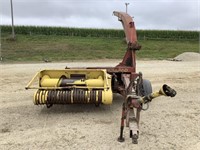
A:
(165, 90)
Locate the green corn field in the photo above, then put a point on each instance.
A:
(107, 33)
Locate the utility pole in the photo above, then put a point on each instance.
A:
(126, 7)
(13, 31)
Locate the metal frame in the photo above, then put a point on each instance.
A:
(127, 81)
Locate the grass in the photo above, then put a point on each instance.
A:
(58, 48)
(166, 49)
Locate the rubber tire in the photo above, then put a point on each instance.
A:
(146, 87)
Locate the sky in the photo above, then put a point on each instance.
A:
(147, 14)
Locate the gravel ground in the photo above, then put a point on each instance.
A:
(169, 123)
(188, 56)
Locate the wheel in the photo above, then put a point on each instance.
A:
(135, 139)
(146, 86)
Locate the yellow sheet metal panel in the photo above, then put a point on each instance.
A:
(46, 81)
(107, 97)
(90, 82)
(89, 73)
(93, 78)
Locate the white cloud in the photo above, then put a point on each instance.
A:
(155, 14)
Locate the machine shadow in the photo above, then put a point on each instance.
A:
(81, 108)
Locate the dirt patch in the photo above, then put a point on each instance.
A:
(169, 123)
